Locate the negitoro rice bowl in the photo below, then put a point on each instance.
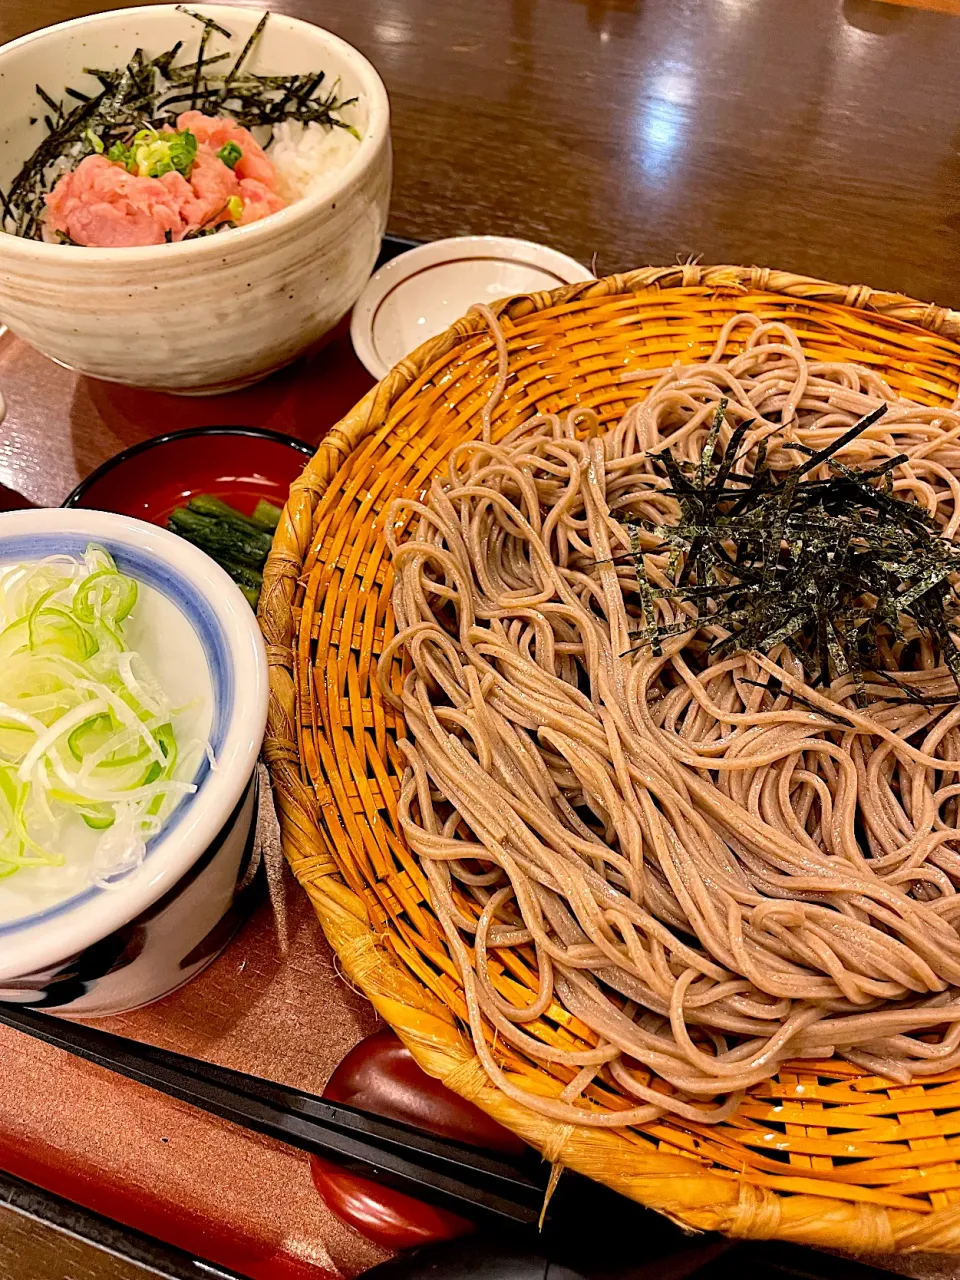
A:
(241, 291)
(179, 143)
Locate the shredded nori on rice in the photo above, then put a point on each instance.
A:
(151, 92)
(837, 569)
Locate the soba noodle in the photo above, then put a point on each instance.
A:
(712, 876)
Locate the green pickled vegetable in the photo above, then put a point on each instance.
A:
(240, 544)
(222, 539)
(205, 504)
(248, 580)
(266, 514)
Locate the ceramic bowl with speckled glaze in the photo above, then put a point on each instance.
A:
(217, 312)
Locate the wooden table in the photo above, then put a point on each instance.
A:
(820, 136)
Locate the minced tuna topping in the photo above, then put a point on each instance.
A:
(165, 186)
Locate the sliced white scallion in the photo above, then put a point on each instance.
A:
(72, 720)
(143, 686)
(86, 729)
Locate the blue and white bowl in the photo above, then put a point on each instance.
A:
(109, 949)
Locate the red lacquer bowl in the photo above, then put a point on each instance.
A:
(241, 465)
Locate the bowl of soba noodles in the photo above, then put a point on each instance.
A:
(623, 669)
(188, 199)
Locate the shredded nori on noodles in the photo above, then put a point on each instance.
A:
(152, 92)
(837, 569)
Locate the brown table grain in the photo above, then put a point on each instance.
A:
(817, 135)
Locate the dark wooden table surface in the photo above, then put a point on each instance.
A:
(821, 136)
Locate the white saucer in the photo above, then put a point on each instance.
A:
(420, 293)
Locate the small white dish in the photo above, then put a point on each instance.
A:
(418, 294)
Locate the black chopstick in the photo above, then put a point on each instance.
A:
(456, 1176)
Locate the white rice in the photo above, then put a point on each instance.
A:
(307, 157)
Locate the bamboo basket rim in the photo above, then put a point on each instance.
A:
(682, 1188)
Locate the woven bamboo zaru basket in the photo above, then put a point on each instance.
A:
(823, 1154)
